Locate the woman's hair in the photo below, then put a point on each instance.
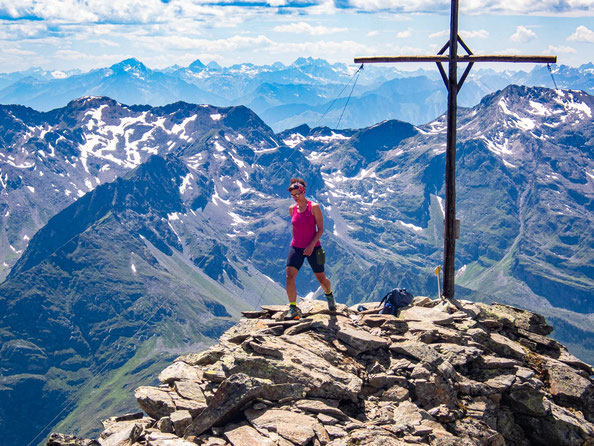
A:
(295, 182)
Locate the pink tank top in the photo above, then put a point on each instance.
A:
(304, 227)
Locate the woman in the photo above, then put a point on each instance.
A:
(308, 227)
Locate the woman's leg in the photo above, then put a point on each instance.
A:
(291, 288)
(324, 282)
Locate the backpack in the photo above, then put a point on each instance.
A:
(394, 300)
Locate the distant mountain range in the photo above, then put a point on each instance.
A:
(132, 233)
(309, 91)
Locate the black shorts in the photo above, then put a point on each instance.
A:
(296, 258)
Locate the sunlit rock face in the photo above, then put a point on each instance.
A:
(437, 374)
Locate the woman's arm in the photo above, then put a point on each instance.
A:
(317, 213)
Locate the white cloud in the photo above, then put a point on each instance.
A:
(404, 34)
(306, 28)
(582, 34)
(17, 52)
(439, 34)
(106, 42)
(553, 7)
(28, 29)
(233, 43)
(70, 55)
(372, 33)
(522, 35)
(560, 49)
(477, 34)
(329, 50)
(158, 11)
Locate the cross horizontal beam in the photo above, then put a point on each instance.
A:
(461, 59)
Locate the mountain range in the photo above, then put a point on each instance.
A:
(132, 234)
(310, 91)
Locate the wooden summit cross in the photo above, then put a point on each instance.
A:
(453, 85)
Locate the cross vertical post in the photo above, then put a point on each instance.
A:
(453, 85)
(449, 250)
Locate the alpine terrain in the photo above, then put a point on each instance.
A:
(133, 234)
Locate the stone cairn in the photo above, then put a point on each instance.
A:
(481, 375)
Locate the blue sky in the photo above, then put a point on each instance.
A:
(74, 34)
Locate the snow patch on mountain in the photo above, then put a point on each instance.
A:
(332, 137)
(539, 109)
(186, 183)
(567, 100)
(499, 149)
(410, 226)
(521, 123)
(294, 140)
(242, 189)
(440, 202)
(181, 129)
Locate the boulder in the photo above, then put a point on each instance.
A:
(245, 435)
(156, 402)
(179, 370)
(57, 439)
(294, 427)
(233, 394)
(361, 340)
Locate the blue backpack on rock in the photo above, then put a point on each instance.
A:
(394, 300)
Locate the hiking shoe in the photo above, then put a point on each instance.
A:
(331, 302)
(293, 313)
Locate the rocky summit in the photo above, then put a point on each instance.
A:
(472, 374)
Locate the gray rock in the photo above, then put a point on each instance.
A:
(56, 439)
(157, 438)
(518, 318)
(180, 419)
(294, 427)
(190, 390)
(165, 425)
(396, 394)
(156, 402)
(179, 370)
(529, 402)
(336, 431)
(122, 434)
(569, 388)
(323, 407)
(505, 347)
(361, 340)
(206, 357)
(233, 394)
(245, 435)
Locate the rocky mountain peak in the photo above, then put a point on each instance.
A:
(197, 65)
(131, 66)
(303, 61)
(485, 374)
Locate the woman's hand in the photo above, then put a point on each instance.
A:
(307, 251)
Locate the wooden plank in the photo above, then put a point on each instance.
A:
(460, 59)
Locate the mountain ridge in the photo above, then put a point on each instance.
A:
(382, 207)
(379, 94)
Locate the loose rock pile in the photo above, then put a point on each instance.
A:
(482, 375)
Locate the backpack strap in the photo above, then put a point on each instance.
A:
(383, 299)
